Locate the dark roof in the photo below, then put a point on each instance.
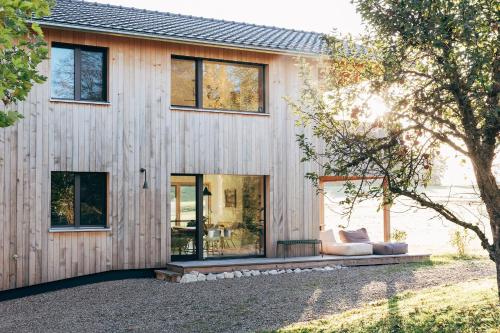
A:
(90, 16)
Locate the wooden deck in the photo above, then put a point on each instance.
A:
(226, 265)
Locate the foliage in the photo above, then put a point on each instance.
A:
(22, 48)
(233, 87)
(252, 204)
(463, 307)
(63, 197)
(399, 235)
(436, 65)
(460, 239)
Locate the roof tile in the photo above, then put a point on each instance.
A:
(83, 15)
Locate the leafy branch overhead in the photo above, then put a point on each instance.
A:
(22, 49)
(436, 67)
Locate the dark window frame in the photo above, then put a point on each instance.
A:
(199, 83)
(77, 202)
(77, 63)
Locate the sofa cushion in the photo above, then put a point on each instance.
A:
(327, 236)
(390, 248)
(347, 249)
(354, 236)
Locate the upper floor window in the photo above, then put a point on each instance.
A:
(78, 199)
(78, 72)
(218, 85)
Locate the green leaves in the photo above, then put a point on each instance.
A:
(22, 49)
(9, 118)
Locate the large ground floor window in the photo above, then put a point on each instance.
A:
(215, 216)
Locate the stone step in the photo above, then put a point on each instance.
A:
(166, 275)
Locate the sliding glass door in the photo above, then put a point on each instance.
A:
(184, 217)
(217, 216)
(234, 223)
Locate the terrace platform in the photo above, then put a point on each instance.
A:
(226, 265)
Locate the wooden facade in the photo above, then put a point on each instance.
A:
(138, 129)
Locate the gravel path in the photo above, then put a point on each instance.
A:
(239, 305)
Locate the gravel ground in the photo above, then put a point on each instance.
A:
(238, 305)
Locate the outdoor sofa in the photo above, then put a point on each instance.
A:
(331, 246)
(381, 248)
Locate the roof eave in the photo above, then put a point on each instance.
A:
(191, 41)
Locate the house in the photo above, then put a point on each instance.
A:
(156, 137)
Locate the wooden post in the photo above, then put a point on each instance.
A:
(321, 205)
(387, 216)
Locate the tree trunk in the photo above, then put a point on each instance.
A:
(496, 246)
(495, 228)
(490, 195)
(497, 263)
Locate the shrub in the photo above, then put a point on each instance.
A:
(460, 239)
(399, 235)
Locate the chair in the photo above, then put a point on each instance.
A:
(330, 246)
(228, 237)
(212, 240)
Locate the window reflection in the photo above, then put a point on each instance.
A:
(78, 72)
(234, 219)
(228, 86)
(63, 73)
(173, 203)
(62, 198)
(183, 215)
(92, 198)
(78, 199)
(91, 75)
(183, 82)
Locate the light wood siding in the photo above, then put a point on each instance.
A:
(138, 129)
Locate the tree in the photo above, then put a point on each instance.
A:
(436, 64)
(22, 48)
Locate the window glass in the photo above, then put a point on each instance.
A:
(78, 199)
(91, 75)
(78, 73)
(63, 73)
(236, 214)
(63, 199)
(188, 203)
(228, 86)
(173, 204)
(92, 199)
(183, 82)
(183, 217)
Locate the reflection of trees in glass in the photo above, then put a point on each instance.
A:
(91, 75)
(92, 198)
(89, 187)
(183, 82)
(231, 86)
(252, 204)
(63, 73)
(62, 199)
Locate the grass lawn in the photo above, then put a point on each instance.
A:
(465, 307)
(439, 259)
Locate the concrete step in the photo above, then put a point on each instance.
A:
(166, 275)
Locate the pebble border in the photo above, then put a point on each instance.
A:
(196, 276)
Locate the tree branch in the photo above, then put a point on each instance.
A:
(449, 215)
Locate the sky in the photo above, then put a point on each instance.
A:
(311, 15)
